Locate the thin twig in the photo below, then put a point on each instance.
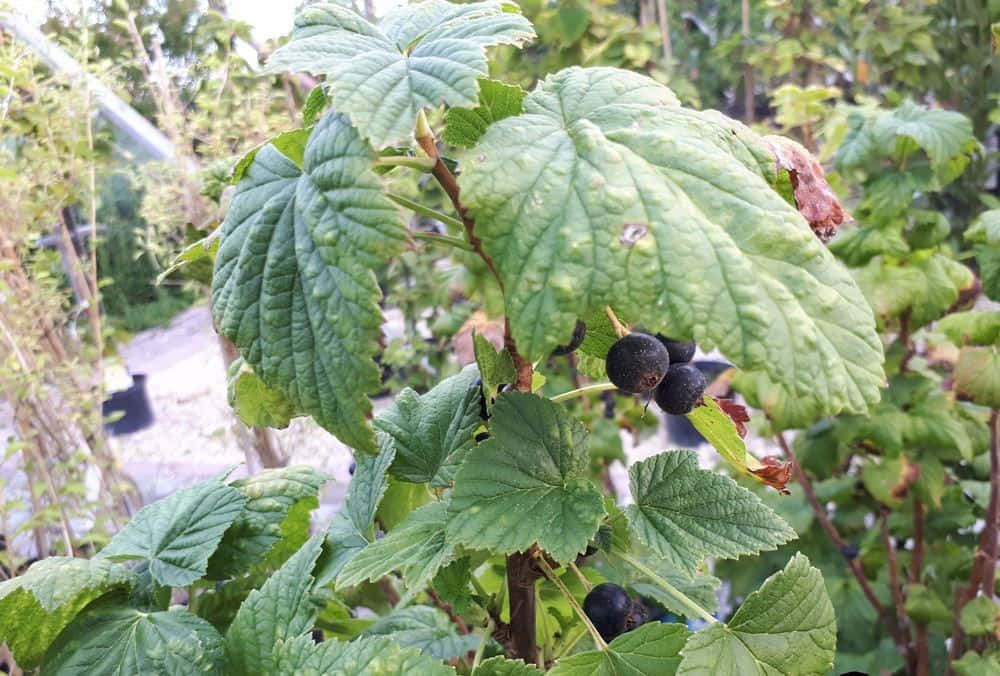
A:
(449, 610)
(896, 587)
(824, 520)
(426, 211)
(549, 573)
(620, 329)
(580, 576)
(984, 561)
(580, 391)
(692, 609)
(909, 348)
(482, 644)
(917, 560)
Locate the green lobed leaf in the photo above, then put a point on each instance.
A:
(427, 629)
(270, 496)
(496, 368)
(979, 617)
(974, 664)
(720, 431)
(651, 650)
(254, 403)
(924, 606)
(352, 528)
(606, 191)
(785, 627)
(977, 375)
(417, 547)
(315, 104)
(926, 288)
(294, 287)
(366, 656)
(985, 229)
(179, 533)
(128, 641)
(281, 609)
(988, 259)
(433, 431)
(419, 56)
(974, 328)
(528, 483)
(942, 134)
(291, 144)
(501, 666)
(464, 126)
(857, 247)
(36, 606)
(685, 513)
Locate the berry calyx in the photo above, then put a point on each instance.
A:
(680, 389)
(637, 363)
(579, 333)
(680, 350)
(608, 606)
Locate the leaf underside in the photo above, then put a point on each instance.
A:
(294, 286)
(419, 56)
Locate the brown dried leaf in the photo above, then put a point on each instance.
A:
(775, 473)
(490, 329)
(737, 413)
(813, 195)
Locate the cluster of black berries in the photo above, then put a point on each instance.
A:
(612, 612)
(639, 362)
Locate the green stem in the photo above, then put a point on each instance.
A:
(442, 239)
(692, 608)
(598, 640)
(482, 644)
(426, 211)
(620, 329)
(580, 576)
(587, 389)
(425, 164)
(480, 589)
(423, 127)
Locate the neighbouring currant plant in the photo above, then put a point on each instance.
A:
(595, 198)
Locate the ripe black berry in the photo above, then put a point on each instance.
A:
(637, 362)
(680, 351)
(680, 389)
(482, 436)
(849, 552)
(608, 607)
(579, 332)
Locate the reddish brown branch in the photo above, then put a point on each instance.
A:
(909, 349)
(852, 562)
(984, 561)
(449, 610)
(896, 587)
(521, 576)
(917, 561)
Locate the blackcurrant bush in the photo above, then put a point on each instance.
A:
(607, 605)
(579, 332)
(637, 362)
(680, 389)
(680, 350)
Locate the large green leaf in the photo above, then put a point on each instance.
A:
(528, 483)
(294, 286)
(419, 56)
(651, 650)
(501, 666)
(281, 609)
(685, 513)
(270, 494)
(942, 134)
(366, 656)
(417, 547)
(977, 375)
(605, 191)
(128, 641)
(975, 328)
(35, 607)
(179, 533)
(427, 629)
(925, 287)
(431, 432)
(785, 627)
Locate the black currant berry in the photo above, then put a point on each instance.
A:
(638, 615)
(353, 466)
(680, 389)
(680, 351)
(637, 362)
(849, 551)
(579, 332)
(482, 436)
(608, 606)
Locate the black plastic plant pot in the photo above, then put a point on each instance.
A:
(133, 405)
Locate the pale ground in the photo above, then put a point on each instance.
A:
(195, 435)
